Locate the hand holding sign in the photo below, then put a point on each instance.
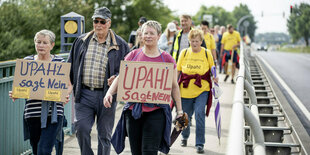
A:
(41, 80)
(142, 82)
(11, 97)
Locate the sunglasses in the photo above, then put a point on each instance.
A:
(101, 21)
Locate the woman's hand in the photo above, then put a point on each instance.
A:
(216, 80)
(11, 97)
(107, 100)
(67, 99)
(111, 79)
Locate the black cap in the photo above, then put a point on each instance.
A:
(103, 13)
(142, 20)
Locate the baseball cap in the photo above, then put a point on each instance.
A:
(142, 20)
(103, 13)
(172, 27)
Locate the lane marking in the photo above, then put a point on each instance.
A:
(287, 88)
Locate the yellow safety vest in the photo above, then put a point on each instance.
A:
(176, 45)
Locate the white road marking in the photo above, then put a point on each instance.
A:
(287, 88)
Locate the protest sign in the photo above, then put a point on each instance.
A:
(41, 80)
(145, 82)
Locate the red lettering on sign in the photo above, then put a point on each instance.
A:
(149, 95)
(127, 95)
(161, 96)
(167, 98)
(125, 77)
(139, 78)
(165, 88)
(155, 96)
(143, 97)
(149, 78)
(135, 96)
(159, 80)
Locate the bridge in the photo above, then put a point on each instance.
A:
(256, 117)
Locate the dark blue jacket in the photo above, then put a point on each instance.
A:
(117, 51)
(118, 138)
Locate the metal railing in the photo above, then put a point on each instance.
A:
(11, 114)
(241, 113)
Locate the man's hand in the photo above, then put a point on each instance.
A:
(107, 100)
(111, 79)
(11, 97)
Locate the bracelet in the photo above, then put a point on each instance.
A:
(180, 112)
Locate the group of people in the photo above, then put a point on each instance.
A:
(95, 61)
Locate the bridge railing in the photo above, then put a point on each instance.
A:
(11, 114)
(240, 113)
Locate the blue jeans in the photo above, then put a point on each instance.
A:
(42, 140)
(197, 105)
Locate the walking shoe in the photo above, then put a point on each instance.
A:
(226, 77)
(199, 149)
(232, 81)
(184, 143)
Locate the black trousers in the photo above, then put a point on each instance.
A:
(43, 140)
(146, 133)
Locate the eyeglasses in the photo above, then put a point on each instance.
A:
(101, 21)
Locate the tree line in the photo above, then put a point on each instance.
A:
(299, 22)
(21, 19)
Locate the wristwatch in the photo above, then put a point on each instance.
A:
(180, 112)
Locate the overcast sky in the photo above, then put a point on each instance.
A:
(272, 20)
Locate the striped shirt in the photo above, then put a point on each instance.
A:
(95, 62)
(33, 107)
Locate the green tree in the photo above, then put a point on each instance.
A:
(21, 19)
(219, 15)
(239, 12)
(299, 22)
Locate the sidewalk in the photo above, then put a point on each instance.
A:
(212, 146)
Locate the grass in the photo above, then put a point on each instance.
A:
(296, 49)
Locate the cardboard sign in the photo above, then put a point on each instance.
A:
(41, 80)
(145, 82)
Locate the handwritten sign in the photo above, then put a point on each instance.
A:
(145, 82)
(41, 80)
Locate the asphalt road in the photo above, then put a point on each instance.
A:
(294, 69)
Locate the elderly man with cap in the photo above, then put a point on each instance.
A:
(166, 39)
(133, 34)
(95, 59)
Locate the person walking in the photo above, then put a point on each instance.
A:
(218, 47)
(194, 66)
(43, 120)
(180, 41)
(147, 125)
(166, 39)
(133, 34)
(230, 43)
(209, 39)
(95, 60)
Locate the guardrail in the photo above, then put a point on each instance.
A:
(11, 114)
(241, 113)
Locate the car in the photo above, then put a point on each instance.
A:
(262, 47)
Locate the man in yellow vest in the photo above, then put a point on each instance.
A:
(181, 42)
(230, 43)
(209, 39)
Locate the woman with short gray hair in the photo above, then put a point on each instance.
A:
(43, 120)
(150, 132)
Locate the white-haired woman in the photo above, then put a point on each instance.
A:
(42, 125)
(150, 132)
(166, 39)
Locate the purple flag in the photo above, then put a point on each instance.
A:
(217, 113)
